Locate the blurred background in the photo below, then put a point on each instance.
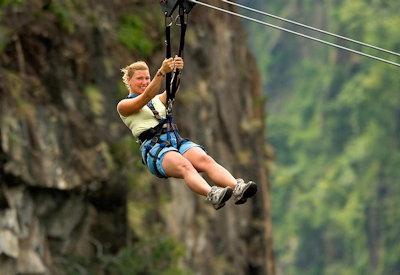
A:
(316, 127)
(333, 119)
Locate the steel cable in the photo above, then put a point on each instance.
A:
(296, 33)
(311, 28)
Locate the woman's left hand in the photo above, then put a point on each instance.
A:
(178, 61)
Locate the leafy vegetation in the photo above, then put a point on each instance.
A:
(132, 34)
(335, 125)
(154, 255)
(95, 99)
(63, 14)
(5, 3)
(158, 255)
(3, 38)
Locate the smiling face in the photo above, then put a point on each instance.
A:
(139, 81)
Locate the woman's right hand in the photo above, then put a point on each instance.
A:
(168, 65)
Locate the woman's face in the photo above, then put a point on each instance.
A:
(139, 81)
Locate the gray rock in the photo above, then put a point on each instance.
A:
(7, 265)
(30, 262)
(9, 244)
(9, 221)
(66, 218)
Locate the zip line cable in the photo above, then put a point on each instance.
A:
(295, 33)
(310, 27)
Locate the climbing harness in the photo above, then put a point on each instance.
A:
(167, 125)
(154, 134)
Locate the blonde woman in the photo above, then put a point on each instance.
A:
(163, 151)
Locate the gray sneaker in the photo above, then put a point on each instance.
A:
(243, 191)
(218, 196)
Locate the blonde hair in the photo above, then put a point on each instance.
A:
(129, 70)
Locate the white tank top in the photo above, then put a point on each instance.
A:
(144, 119)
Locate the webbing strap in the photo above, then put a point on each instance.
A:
(168, 55)
(155, 161)
(176, 80)
(151, 106)
(155, 112)
(171, 88)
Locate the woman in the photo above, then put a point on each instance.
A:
(167, 155)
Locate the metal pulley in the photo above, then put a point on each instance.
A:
(169, 6)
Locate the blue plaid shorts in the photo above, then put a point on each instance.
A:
(166, 142)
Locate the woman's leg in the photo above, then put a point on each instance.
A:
(175, 165)
(204, 163)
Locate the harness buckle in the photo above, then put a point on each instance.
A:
(168, 143)
(154, 139)
(169, 106)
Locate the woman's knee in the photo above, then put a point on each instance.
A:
(184, 166)
(176, 165)
(205, 162)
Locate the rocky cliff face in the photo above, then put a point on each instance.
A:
(71, 187)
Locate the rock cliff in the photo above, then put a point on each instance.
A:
(73, 193)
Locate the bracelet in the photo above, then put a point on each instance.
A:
(160, 73)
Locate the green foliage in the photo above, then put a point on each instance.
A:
(63, 12)
(335, 125)
(132, 34)
(4, 38)
(122, 90)
(5, 32)
(95, 99)
(5, 3)
(156, 255)
(15, 85)
(125, 152)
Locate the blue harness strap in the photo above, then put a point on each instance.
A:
(151, 106)
(166, 125)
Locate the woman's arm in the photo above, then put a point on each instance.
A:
(126, 107)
